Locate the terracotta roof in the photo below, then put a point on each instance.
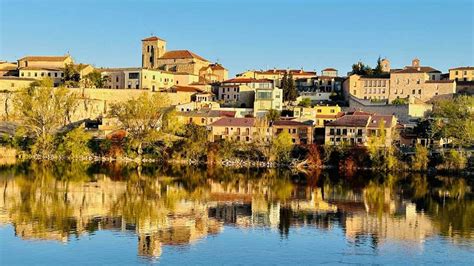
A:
(375, 121)
(152, 38)
(329, 69)
(185, 89)
(16, 78)
(465, 83)
(45, 58)
(235, 122)
(119, 69)
(351, 121)
(439, 81)
(463, 68)
(247, 80)
(180, 54)
(288, 123)
(216, 66)
(42, 68)
(422, 69)
(209, 113)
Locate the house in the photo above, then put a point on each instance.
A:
(267, 99)
(301, 133)
(356, 128)
(239, 129)
(329, 72)
(462, 73)
(375, 87)
(320, 114)
(240, 92)
(276, 75)
(203, 117)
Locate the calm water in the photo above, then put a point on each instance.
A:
(107, 214)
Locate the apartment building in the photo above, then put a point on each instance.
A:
(375, 88)
(320, 114)
(267, 99)
(277, 74)
(462, 73)
(239, 129)
(356, 128)
(240, 92)
(329, 72)
(137, 78)
(301, 133)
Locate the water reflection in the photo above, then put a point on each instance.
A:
(179, 206)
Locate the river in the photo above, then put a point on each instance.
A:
(76, 214)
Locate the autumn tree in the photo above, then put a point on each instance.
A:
(455, 120)
(43, 110)
(420, 159)
(95, 79)
(273, 115)
(75, 144)
(141, 117)
(282, 146)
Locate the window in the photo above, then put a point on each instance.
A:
(62, 75)
(49, 74)
(22, 74)
(419, 91)
(133, 75)
(56, 74)
(36, 74)
(116, 79)
(42, 74)
(413, 92)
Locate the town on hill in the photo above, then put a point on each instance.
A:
(180, 107)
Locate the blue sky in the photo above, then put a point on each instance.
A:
(244, 34)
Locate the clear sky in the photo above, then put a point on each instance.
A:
(244, 34)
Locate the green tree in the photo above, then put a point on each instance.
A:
(454, 160)
(378, 69)
(195, 143)
(282, 146)
(305, 102)
(455, 120)
(362, 69)
(71, 75)
(141, 117)
(42, 110)
(273, 115)
(400, 101)
(75, 144)
(95, 79)
(420, 159)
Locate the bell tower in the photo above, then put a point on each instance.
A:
(152, 49)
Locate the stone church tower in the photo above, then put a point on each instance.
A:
(385, 65)
(152, 49)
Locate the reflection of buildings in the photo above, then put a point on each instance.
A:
(163, 211)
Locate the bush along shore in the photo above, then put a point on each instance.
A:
(248, 155)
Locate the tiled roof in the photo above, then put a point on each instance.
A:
(376, 119)
(247, 80)
(422, 69)
(185, 89)
(288, 123)
(217, 66)
(16, 78)
(119, 69)
(209, 113)
(463, 68)
(42, 68)
(351, 121)
(329, 69)
(152, 38)
(180, 54)
(45, 58)
(234, 122)
(439, 81)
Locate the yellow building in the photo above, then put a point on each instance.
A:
(203, 117)
(368, 87)
(45, 61)
(8, 69)
(11, 83)
(239, 129)
(240, 92)
(356, 128)
(155, 56)
(462, 73)
(321, 114)
(140, 78)
(267, 99)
